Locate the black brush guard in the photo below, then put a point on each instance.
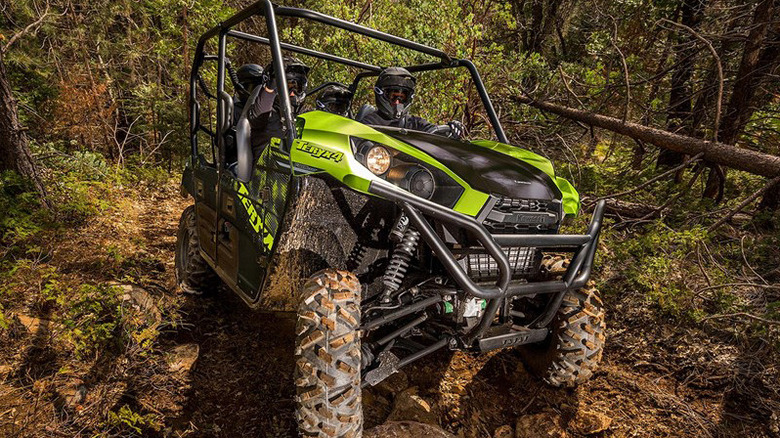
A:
(582, 245)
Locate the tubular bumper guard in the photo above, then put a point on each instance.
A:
(576, 276)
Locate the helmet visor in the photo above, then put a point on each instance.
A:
(397, 95)
(337, 107)
(295, 86)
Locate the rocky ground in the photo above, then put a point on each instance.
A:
(219, 369)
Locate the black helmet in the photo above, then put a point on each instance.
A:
(296, 73)
(394, 92)
(334, 99)
(249, 75)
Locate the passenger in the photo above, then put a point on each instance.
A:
(248, 77)
(265, 115)
(335, 99)
(394, 95)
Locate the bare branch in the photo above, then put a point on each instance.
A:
(693, 159)
(625, 68)
(746, 315)
(24, 31)
(744, 204)
(568, 88)
(720, 71)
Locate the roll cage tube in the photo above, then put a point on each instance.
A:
(270, 11)
(475, 76)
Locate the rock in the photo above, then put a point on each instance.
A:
(71, 395)
(31, 323)
(543, 425)
(504, 432)
(376, 408)
(589, 422)
(393, 385)
(774, 423)
(141, 300)
(183, 357)
(410, 406)
(406, 429)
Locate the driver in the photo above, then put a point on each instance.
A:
(394, 95)
(265, 115)
(334, 99)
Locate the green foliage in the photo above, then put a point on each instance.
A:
(128, 419)
(20, 214)
(92, 317)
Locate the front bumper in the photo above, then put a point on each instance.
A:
(577, 275)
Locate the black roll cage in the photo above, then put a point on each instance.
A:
(270, 11)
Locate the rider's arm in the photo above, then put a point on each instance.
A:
(420, 124)
(261, 109)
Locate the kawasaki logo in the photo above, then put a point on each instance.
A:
(318, 152)
(254, 217)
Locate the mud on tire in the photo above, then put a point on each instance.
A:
(573, 350)
(327, 356)
(193, 274)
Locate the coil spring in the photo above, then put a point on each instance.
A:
(355, 257)
(399, 262)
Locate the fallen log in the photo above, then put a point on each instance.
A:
(747, 160)
(629, 209)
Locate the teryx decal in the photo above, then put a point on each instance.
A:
(318, 152)
(254, 217)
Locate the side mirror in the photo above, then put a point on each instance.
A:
(244, 140)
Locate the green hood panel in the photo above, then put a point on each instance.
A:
(324, 145)
(571, 198)
(331, 133)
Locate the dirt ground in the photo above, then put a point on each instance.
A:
(658, 379)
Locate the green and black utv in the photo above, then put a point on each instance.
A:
(390, 244)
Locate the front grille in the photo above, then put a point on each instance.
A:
(510, 205)
(523, 216)
(522, 261)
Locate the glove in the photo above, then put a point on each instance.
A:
(457, 130)
(269, 82)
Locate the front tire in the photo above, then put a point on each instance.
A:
(574, 347)
(327, 356)
(193, 273)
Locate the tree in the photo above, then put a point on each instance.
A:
(14, 149)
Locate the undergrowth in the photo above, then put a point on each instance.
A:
(61, 266)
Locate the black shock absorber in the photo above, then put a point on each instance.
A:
(399, 262)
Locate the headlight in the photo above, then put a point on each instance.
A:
(406, 172)
(421, 183)
(378, 160)
(413, 178)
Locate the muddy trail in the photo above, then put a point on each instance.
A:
(232, 370)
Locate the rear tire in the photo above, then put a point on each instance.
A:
(193, 273)
(327, 356)
(573, 350)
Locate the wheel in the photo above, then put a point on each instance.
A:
(327, 356)
(573, 350)
(193, 274)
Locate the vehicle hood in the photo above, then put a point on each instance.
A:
(484, 168)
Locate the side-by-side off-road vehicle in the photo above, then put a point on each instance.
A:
(390, 244)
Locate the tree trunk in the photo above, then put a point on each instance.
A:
(760, 56)
(754, 65)
(678, 118)
(14, 153)
(541, 23)
(747, 160)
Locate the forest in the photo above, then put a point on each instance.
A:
(667, 110)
